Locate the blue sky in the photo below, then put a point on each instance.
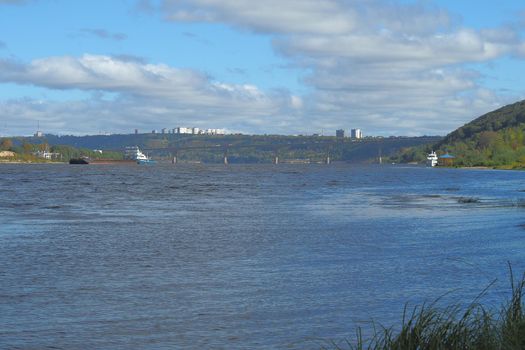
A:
(289, 67)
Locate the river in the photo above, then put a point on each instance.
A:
(244, 256)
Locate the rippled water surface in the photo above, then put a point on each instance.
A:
(243, 257)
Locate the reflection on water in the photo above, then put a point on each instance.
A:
(236, 257)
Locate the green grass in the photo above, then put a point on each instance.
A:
(429, 327)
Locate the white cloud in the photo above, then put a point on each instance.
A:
(385, 66)
(297, 16)
(124, 114)
(96, 72)
(296, 102)
(378, 63)
(157, 94)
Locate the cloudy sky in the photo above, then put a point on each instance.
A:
(389, 67)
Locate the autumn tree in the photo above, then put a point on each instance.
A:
(28, 148)
(6, 144)
(44, 147)
(487, 138)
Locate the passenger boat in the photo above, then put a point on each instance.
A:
(134, 153)
(432, 159)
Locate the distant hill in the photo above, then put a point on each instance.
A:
(495, 139)
(508, 117)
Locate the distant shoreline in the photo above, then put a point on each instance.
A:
(477, 167)
(490, 168)
(28, 162)
(14, 162)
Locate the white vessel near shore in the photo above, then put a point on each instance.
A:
(432, 159)
(134, 153)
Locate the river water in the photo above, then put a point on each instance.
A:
(244, 256)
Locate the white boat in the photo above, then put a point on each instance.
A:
(432, 159)
(134, 153)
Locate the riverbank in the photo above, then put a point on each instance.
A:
(29, 162)
(510, 167)
(477, 167)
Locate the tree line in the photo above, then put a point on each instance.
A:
(26, 151)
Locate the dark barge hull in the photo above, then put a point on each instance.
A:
(102, 161)
(78, 161)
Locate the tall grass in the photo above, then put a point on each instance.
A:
(429, 327)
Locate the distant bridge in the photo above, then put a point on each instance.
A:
(174, 151)
(367, 148)
(226, 148)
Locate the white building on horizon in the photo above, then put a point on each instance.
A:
(183, 130)
(198, 131)
(356, 134)
(215, 132)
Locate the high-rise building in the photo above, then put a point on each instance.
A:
(340, 133)
(356, 134)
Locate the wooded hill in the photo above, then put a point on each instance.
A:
(495, 139)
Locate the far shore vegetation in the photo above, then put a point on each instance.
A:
(24, 152)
